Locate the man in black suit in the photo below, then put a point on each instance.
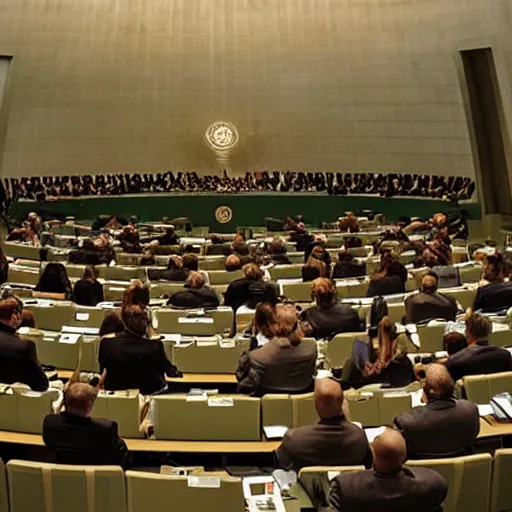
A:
(18, 358)
(494, 297)
(333, 441)
(389, 486)
(444, 427)
(428, 304)
(479, 357)
(76, 438)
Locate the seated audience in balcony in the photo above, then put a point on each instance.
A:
(388, 364)
(327, 317)
(169, 237)
(313, 269)
(250, 290)
(133, 361)
(174, 273)
(54, 283)
(429, 304)
(285, 364)
(389, 486)
(88, 291)
(444, 427)
(333, 441)
(18, 357)
(76, 438)
(195, 294)
(233, 263)
(347, 266)
(479, 357)
(112, 325)
(389, 279)
(494, 293)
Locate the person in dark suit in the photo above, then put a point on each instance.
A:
(284, 364)
(428, 304)
(250, 290)
(75, 438)
(389, 486)
(301, 237)
(312, 270)
(479, 357)
(18, 358)
(333, 441)
(495, 294)
(169, 237)
(88, 291)
(133, 361)
(328, 317)
(346, 266)
(444, 427)
(195, 294)
(389, 279)
(175, 271)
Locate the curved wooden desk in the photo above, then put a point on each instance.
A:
(188, 378)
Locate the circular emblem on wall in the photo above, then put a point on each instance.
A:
(223, 214)
(221, 136)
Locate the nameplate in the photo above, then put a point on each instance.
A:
(82, 317)
(207, 482)
(221, 402)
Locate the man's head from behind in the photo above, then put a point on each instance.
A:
(135, 319)
(429, 283)
(389, 452)
(438, 382)
(478, 327)
(10, 312)
(328, 398)
(79, 399)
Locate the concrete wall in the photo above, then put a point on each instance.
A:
(131, 85)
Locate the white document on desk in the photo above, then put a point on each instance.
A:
(372, 433)
(485, 409)
(195, 320)
(275, 431)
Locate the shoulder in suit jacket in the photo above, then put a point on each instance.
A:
(333, 320)
(442, 428)
(84, 441)
(429, 306)
(205, 297)
(493, 297)
(249, 292)
(331, 442)
(418, 489)
(388, 285)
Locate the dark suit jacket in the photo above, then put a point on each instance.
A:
(493, 297)
(84, 441)
(134, 363)
(205, 297)
(87, 293)
(428, 306)
(442, 428)
(277, 367)
(480, 358)
(18, 361)
(249, 292)
(174, 274)
(411, 489)
(388, 285)
(336, 319)
(344, 269)
(331, 442)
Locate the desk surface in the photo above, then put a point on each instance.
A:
(188, 378)
(490, 427)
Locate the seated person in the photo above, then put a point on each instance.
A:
(148, 259)
(479, 357)
(112, 325)
(175, 271)
(75, 438)
(328, 317)
(130, 240)
(318, 251)
(239, 246)
(445, 427)
(301, 237)
(263, 322)
(333, 441)
(27, 319)
(389, 486)
(277, 252)
(250, 290)
(389, 279)
(169, 237)
(191, 262)
(195, 294)
(54, 283)
(346, 266)
(312, 270)
(282, 365)
(233, 263)
(132, 360)
(88, 291)
(348, 224)
(454, 342)
(428, 304)
(388, 364)
(18, 357)
(494, 294)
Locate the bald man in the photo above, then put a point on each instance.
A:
(429, 304)
(333, 441)
(389, 486)
(444, 427)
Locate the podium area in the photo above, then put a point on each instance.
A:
(248, 209)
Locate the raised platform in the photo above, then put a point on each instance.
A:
(248, 209)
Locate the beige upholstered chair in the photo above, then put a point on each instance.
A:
(303, 409)
(276, 410)
(339, 349)
(481, 388)
(468, 479)
(4, 490)
(53, 317)
(296, 292)
(431, 338)
(22, 275)
(293, 271)
(119, 273)
(215, 321)
(501, 490)
(40, 487)
(223, 276)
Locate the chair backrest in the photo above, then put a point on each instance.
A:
(88, 316)
(223, 276)
(501, 338)
(53, 317)
(41, 487)
(215, 321)
(303, 409)
(160, 288)
(114, 292)
(501, 490)
(276, 410)
(339, 349)
(22, 275)
(431, 338)
(4, 490)
(166, 493)
(286, 272)
(16, 250)
(119, 273)
(481, 388)
(208, 263)
(51, 352)
(296, 292)
(471, 274)
(237, 418)
(347, 288)
(468, 479)
(465, 297)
